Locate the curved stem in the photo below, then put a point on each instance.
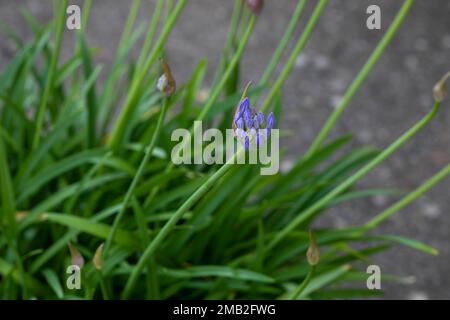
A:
(137, 177)
(427, 185)
(168, 227)
(298, 291)
(356, 84)
(320, 204)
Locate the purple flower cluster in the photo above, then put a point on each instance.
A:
(248, 124)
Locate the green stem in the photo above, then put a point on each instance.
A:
(236, 58)
(51, 72)
(320, 204)
(295, 53)
(229, 41)
(283, 43)
(151, 276)
(427, 185)
(133, 96)
(103, 286)
(137, 177)
(171, 223)
(356, 84)
(298, 291)
(131, 19)
(151, 32)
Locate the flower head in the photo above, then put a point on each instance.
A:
(248, 124)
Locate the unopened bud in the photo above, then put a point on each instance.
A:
(255, 5)
(440, 90)
(313, 253)
(77, 258)
(166, 83)
(98, 257)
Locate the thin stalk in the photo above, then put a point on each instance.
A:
(131, 19)
(427, 185)
(356, 84)
(151, 32)
(103, 286)
(320, 204)
(234, 61)
(85, 16)
(171, 223)
(133, 96)
(228, 47)
(293, 57)
(137, 177)
(298, 291)
(51, 72)
(151, 276)
(283, 43)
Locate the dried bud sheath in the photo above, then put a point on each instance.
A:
(166, 82)
(440, 90)
(313, 253)
(77, 258)
(98, 257)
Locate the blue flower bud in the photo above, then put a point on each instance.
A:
(247, 143)
(260, 116)
(255, 122)
(240, 123)
(245, 104)
(271, 121)
(248, 118)
(270, 124)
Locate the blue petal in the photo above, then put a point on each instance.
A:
(245, 104)
(255, 123)
(270, 121)
(240, 123)
(247, 143)
(260, 117)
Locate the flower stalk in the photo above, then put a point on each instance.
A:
(362, 75)
(320, 204)
(168, 89)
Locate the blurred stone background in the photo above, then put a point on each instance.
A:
(394, 96)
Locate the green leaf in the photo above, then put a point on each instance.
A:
(53, 281)
(97, 229)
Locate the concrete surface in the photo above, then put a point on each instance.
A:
(395, 95)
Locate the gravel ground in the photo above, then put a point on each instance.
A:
(394, 96)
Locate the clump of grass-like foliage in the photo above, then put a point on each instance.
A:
(74, 175)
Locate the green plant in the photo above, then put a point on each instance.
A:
(72, 173)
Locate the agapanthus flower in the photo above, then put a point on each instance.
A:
(248, 124)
